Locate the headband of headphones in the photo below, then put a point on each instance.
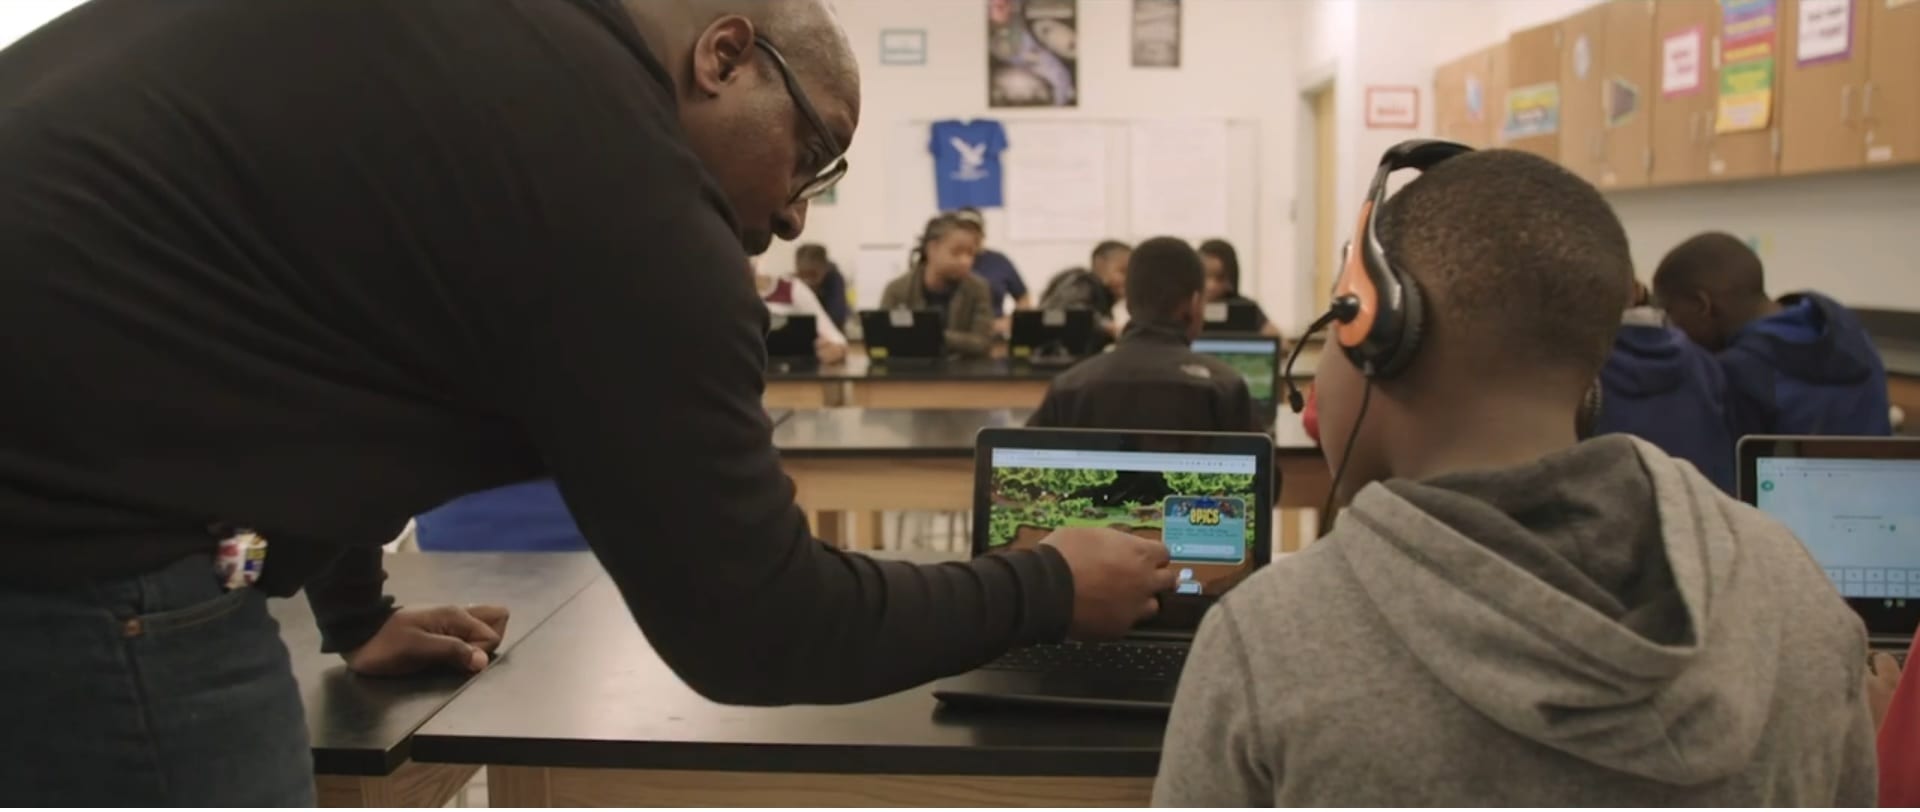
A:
(1379, 308)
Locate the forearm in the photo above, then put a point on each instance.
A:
(348, 600)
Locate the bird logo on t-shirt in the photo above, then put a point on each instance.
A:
(973, 159)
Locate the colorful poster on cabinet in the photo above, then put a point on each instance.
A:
(1746, 66)
(1532, 111)
(1033, 53)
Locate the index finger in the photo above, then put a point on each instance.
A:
(494, 616)
(1156, 552)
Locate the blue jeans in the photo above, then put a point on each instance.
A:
(155, 690)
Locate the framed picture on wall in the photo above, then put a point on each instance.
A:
(1033, 53)
(1393, 107)
(1156, 33)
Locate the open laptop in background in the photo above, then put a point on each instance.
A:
(791, 339)
(904, 336)
(1855, 503)
(1208, 497)
(1231, 319)
(1257, 359)
(1050, 337)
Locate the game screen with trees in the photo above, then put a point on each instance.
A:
(1205, 519)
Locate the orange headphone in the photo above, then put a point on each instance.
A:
(1378, 308)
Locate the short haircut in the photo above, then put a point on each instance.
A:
(1716, 261)
(971, 216)
(1229, 261)
(1522, 263)
(1162, 274)
(1107, 248)
(810, 252)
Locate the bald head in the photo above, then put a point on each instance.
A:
(769, 96)
(807, 32)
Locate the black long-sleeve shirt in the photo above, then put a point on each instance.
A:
(313, 266)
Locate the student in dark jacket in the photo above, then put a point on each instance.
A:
(940, 277)
(1098, 287)
(1663, 388)
(1152, 380)
(1800, 365)
(811, 265)
(1223, 281)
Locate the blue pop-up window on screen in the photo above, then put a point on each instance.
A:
(1205, 528)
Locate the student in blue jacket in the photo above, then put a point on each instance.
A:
(1801, 364)
(1661, 387)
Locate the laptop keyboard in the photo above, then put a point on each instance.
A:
(1137, 660)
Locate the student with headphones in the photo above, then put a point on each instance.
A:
(940, 277)
(1506, 615)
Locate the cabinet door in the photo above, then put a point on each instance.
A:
(1748, 153)
(1680, 110)
(1822, 127)
(1461, 108)
(1533, 91)
(1891, 101)
(1582, 78)
(1626, 91)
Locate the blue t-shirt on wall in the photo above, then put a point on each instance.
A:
(966, 162)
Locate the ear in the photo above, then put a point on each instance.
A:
(720, 53)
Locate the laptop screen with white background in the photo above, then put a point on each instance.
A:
(1860, 518)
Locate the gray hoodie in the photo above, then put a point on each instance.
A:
(1600, 627)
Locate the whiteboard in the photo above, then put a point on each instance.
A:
(911, 200)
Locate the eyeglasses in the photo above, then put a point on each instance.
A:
(835, 168)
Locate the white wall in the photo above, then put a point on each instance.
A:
(1845, 234)
(1234, 66)
(19, 17)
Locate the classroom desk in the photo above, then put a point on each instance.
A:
(865, 461)
(362, 727)
(585, 714)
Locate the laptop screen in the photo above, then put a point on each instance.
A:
(1856, 516)
(1203, 506)
(1255, 359)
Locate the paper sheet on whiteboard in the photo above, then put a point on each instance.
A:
(1179, 178)
(1057, 183)
(873, 268)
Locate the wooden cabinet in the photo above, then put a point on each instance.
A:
(1891, 102)
(1583, 116)
(1533, 100)
(1682, 116)
(1823, 127)
(1463, 107)
(1627, 91)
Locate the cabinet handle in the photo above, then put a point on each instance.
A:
(1866, 102)
(1846, 104)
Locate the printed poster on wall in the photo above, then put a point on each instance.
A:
(1532, 111)
(1622, 101)
(1680, 62)
(1033, 53)
(1826, 31)
(1156, 33)
(1746, 66)
(1476, 99)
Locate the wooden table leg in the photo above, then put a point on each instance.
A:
(413, 785)
(520, 787)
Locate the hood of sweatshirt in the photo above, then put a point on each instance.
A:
(1812, 338)
(1649, 357)
(1571, 600)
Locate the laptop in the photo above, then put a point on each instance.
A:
(1231, 318)
(1257, 359)
(1052, 336)
(904, 335)
(1207, 496)
(791, 338)
(1851, 501)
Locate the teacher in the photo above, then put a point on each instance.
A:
(295, 271)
